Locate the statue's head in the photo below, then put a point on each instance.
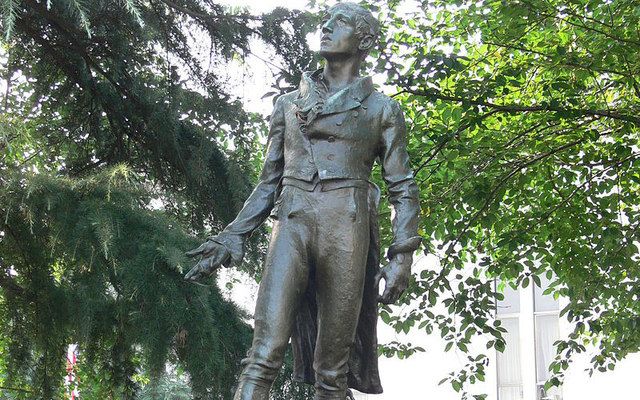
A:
(348, 30)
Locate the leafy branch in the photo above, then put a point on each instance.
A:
(434, 94)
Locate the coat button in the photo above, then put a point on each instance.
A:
(330, 157)
(331, 139)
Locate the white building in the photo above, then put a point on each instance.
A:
(518, 373)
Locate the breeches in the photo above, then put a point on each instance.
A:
(320, 235)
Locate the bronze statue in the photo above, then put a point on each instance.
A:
(319, 286)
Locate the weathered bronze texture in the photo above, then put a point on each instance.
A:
(319, 287)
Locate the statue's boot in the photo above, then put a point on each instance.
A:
(322, 395)
(251, 391)
(347, 396)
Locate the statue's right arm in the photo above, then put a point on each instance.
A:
(259, 204)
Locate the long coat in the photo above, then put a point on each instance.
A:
(331, 137)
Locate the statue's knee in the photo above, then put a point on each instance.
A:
(263, 365)
(331, 384)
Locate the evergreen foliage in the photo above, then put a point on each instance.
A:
(79, 275)
(113, 151)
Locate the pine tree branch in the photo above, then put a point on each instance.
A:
(72, 34)
(73, 70)
(206, 19)
(64, 63)
(199, 15)
(6, 282)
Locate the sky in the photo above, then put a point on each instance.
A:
(253, 77)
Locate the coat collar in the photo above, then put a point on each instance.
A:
(312, 94)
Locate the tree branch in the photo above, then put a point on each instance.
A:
(446, 140)
(551, 14)
(585, 183)
(15, 389)
(9, 284)
(484, 164)
(564, 62)
(199, 15)
(501, 183)
(514, 108)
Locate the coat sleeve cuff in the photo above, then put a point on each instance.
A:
(233, 243)
(405, 246)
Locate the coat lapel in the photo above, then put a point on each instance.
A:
(311, 95)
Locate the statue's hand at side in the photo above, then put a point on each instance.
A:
(213, 255)
(396, 275)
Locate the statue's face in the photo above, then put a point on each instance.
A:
(339, 37)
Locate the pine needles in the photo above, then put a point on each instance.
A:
(9, 12)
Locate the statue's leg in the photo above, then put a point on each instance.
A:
(284, 280)
(342, 246)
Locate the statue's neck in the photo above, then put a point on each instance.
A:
(340, 73)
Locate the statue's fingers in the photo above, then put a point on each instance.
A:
(402, 290)
(383, 299)
(197, 251)
(395, 296)
(211, 265)
(219, 258)
(227, 262)
(193, 272)
(206, 267)
(388, 295)
(201, 270)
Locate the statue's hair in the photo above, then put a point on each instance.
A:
(366, 23)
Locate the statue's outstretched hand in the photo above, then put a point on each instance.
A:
(396, 275)
(212, 254)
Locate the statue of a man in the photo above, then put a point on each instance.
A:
(319, 286)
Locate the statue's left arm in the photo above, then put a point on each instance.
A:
(398, 175)
(404, 197)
